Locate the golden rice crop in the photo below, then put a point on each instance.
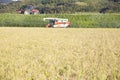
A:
(59, 54)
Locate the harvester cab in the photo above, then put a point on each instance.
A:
(57, 22)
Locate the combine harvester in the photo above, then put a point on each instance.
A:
(57, 23)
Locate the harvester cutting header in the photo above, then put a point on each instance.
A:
(57, 22)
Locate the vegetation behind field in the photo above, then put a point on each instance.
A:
(64, 6)
(59, 54)
(85, 20)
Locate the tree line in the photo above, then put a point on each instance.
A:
(64, 6)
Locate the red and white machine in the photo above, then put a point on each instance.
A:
(57, 22)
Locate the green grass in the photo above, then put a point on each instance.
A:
(90, 20)
(59, 54)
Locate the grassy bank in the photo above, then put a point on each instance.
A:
(59, 54)
(77, 20)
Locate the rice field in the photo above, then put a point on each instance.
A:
(81, 20)
(59, 54)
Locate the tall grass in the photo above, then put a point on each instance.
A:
(77, 20)
(20, 20)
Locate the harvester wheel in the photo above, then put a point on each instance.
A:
(49, 25)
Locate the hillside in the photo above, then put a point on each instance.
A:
(66, 6)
